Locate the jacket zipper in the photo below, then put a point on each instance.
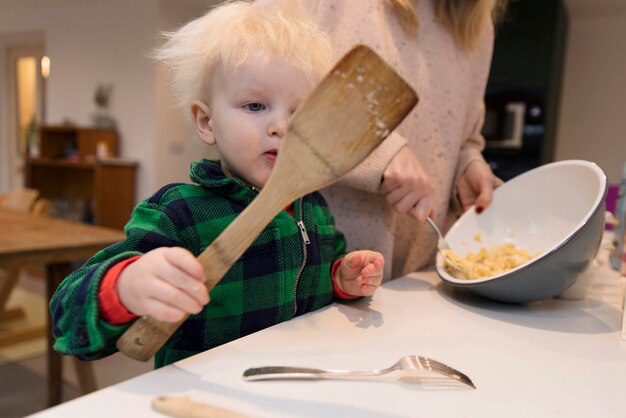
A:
(305, 242)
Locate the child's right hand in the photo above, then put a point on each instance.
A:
(165, 283)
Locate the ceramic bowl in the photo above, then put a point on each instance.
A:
(557, 210)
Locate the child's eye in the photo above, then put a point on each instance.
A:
(254, 107)
(292, 111)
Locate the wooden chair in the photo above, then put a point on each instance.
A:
(42, 207)
(20, 200)
(26, 200)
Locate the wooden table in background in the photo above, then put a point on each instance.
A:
(54, 243)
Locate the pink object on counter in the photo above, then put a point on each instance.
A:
(611, 202)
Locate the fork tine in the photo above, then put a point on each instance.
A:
(446, 370)
(434, 364)
(441, 381)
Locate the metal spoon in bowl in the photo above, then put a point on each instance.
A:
(442, 244)
(443, 247)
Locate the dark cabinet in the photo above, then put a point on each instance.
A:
(526, 71)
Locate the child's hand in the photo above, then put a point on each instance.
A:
(360, 273)
(165, 283)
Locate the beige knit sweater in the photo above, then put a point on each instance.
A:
(443, 130)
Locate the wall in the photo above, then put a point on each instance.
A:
(177, 144)
(592, 121)
(94, 41)
(91, 41)
(7, 126)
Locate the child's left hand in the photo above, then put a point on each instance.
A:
(360, 273)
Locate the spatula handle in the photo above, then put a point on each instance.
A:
(147, 335)
(185, 407)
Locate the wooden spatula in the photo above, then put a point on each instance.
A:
(346, 116)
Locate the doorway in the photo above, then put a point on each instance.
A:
(23, 104)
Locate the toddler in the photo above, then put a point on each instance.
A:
(240, 72)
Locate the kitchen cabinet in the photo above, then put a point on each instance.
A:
(526, 70)
(82, 186)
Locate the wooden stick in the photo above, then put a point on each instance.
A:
(184, 407)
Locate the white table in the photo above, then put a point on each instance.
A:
(554, 358)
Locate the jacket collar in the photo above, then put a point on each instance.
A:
(209, 174)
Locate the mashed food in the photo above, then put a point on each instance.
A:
(486, 263)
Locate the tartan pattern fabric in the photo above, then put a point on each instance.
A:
(261, 289)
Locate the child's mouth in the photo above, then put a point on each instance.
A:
(271, 155)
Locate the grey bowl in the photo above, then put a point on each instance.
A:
(557, 209)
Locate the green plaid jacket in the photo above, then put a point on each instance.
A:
(279, 277)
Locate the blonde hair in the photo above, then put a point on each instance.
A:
(465, 18)
(233, 33)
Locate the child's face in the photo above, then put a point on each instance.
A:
(247, 115)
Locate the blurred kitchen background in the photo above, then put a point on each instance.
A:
(556, 91)
(557, 69)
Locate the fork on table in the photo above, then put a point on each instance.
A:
(410, 369)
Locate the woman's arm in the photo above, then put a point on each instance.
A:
(474, 181)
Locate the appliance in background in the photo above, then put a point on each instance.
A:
(504, 125)
(523, 89)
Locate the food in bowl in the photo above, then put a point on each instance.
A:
(558, 209)
(485, 263)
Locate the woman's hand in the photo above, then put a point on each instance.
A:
(360, 273)
(407, 186)
(165, 283)
(476, 184)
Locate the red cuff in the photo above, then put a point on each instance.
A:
(337, 292)
(290, 210)
(111, 308)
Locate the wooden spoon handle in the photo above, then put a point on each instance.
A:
(184, 407)
(220, 256)
(147, 335)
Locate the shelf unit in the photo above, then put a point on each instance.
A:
(68, 170)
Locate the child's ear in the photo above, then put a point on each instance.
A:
(201, 115)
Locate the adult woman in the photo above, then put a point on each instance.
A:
(443, 49)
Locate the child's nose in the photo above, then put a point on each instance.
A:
(278, 125)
